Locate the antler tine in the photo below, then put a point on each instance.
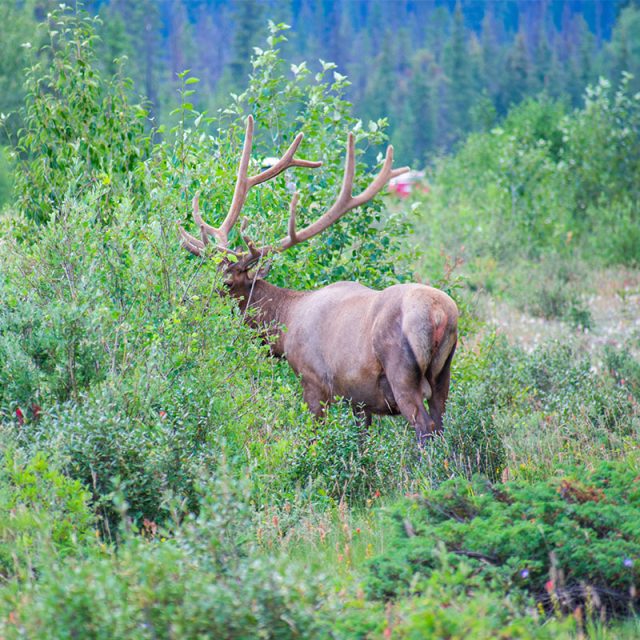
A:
(197, 246)
(293, 236)
(242, 183)
(210, 230)
(190, 243)
(345, 200)
(285, 162)
(251, 245)
(386, 173)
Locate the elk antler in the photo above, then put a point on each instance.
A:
(344, 203)
(243, 184)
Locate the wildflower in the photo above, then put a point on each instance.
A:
(549, 586)
(524, 573)
(628, 562)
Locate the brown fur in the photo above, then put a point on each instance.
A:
(384, 351)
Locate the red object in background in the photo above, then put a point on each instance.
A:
(19, 416)
(402, 189)
(36, 410)
(404, 184)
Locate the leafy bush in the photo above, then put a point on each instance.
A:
(80, 129)
(552, 289)
(553, 538)
(338, 458)
(544, 181)
(511, 412)
(624, 368)
(205, 582)
(453, 602)
(42, 513)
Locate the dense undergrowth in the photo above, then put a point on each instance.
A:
(161, 477)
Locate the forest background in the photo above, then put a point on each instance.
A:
(161, 476)
(434, 70)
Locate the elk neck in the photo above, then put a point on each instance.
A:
(269, 309)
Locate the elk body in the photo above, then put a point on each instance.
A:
(384, 351)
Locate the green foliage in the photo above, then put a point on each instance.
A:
(561, 535)
(80, 129)
(452, 602)
(339, 459)
(552, 288)
(364, 245)
(544, 181)
(6, 178)
(624, 368)
(204, 582)
(42, 513)
(18, 37)
(511, 412)
(135, 402)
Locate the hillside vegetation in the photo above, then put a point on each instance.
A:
(161, 476)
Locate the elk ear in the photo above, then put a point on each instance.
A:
(263, 271)
(226, 262)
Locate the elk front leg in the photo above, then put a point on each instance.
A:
(315, 397)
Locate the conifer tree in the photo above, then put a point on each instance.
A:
(456, 64)
(247, 34)
(516, 83)
(415, 133)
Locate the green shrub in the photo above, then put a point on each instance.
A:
(453, 602)
(42, 513)
(6, 178)
(559, 536)
(80, 129)
(553, 289)
(205, 582)
(515, 412)
(624, 368)
(338, 458)
(544, 181)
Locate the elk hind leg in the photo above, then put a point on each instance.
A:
(440, 391)
(409, 387)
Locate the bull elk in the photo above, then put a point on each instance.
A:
(384, 351)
